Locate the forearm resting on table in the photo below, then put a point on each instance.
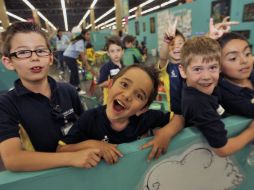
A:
(175, 125)
(235, 144)
(16, 159)
(78, 146)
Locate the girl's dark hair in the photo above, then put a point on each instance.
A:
(152, 72)
(58, 36)
(80, 36)
(113, 40)
(128, 38)
(20, 27)
(227, 37)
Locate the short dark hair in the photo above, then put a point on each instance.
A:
(227, 37)
(128, 38)
(114, 40)
(20, 27)
(178, 33)
(152, 72)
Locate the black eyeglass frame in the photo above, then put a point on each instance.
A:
(36, 51)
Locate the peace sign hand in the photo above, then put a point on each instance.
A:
(170, 32)
(217, 30)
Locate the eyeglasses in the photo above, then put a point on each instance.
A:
(22, 54)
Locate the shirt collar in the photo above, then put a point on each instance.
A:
(21, 90)
(224, 83)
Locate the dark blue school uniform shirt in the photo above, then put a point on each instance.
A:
(237, 100)
(107, 70)
(94, 124)
(175, 87)
(204, 112)
(45, 120)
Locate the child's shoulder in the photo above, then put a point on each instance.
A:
(194, 98)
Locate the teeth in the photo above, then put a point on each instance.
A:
(119, 102)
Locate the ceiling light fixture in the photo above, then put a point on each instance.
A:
(64, 15)
(151, 9)
(15, 16)
(39, 13)
(84, 18)
(29, 4)
(93, 4)
(167, 3)
(87, 13)
(103, 25)
(105, 14)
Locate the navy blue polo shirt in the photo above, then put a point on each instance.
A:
(45, 120)
(175, 87)
(237, 100)
(200, 110)
(94, 124)
(107, 70)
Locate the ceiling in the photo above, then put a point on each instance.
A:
(76, 9)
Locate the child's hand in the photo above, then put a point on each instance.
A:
(160, 144)
(109, 152)
(86, 158)
(217, 30)
(170, 32)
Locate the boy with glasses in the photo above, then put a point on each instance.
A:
(38, 111)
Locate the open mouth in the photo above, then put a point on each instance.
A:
(118, 105)
(176, 52)
(36, 69)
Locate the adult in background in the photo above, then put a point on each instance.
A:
(62, 42)
(75, 50)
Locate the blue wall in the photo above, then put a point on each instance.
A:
(201, 11)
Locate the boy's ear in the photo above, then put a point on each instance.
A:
(51, 59)
(7, 63)
(141, 111)
(182, 71)
(110, 83)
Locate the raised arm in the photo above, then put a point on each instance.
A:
(17, 159)
(168, 38)
(217, 30)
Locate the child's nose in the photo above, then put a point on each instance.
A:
(244, 59)
(34, 56)
(206, 74)
(128, 95)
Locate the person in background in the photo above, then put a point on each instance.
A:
(200, 67)
(39, 111)
(131, 54)
(168, 63)
(62, 42)
(75, 50)
(115, 52)
(125, 118)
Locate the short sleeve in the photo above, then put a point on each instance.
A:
(202, 115)
(80, 46)
(8, 119)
